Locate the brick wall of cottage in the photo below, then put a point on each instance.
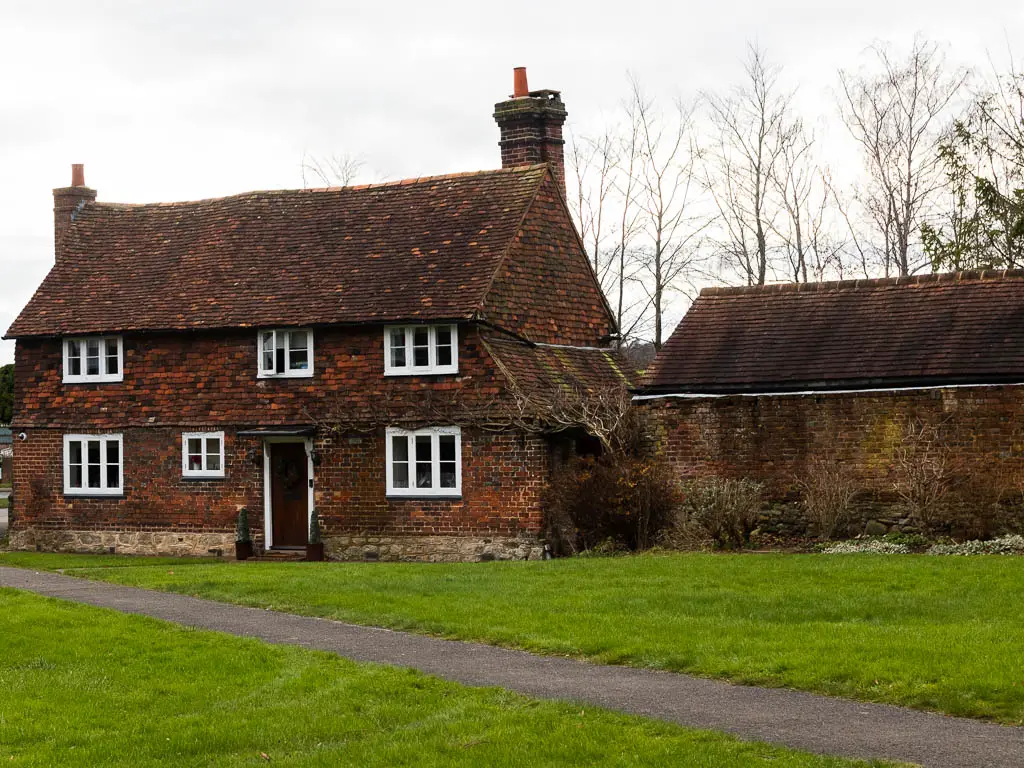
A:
(207, 382)
(503, 477)
(773, 438)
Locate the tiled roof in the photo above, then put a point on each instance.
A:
(537, 370)
(933, 329)
(422, 249)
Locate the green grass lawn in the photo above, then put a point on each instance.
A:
(81, 686)
(939, 633)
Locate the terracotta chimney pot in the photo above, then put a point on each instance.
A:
(519, 85)
(77, 174)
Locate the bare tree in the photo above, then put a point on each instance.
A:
(753, 132)
(897, 113)
(669, 220)
(330, 171)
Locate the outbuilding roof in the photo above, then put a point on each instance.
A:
(957, 328)
(421, 249)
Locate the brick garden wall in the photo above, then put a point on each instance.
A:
(772, 439)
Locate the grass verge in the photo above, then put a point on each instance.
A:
(934, 633)
(86, 686)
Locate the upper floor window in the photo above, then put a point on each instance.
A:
(421, 349)
(93, 359)
(424, 462)
(93, 465)
(285, 353)
(202, 454)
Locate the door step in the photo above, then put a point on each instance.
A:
(285, 555)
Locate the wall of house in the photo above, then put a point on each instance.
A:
(776, 439)
(161, 512)
(544, 289)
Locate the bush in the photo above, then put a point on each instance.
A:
(612, 501)
(725, 508)
(1005, 545)
(827, 493)
(242, 534)
(314, 528)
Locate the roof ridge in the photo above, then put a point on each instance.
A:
(519, 169)
(977, 275)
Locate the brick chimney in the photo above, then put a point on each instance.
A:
(67, 202)
(531, 128)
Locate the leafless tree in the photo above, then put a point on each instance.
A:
(671, 225)
(330, 171)
(753, 133)
(897, 112)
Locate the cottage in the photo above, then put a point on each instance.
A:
(768, 382)
(370, 352)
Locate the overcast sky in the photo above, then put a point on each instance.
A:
(198, 98)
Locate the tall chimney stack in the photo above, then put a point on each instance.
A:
(67, 202)
(531, 128)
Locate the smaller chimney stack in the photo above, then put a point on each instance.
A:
(67, 203)
(531, 128)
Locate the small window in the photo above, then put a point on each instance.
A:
(285, 354)
(424, 462)
(202, 454)
(93, 465)
(420, 349)
(93, 359)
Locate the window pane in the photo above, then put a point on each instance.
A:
(112, 362)
(398, 347)
(421, 347)
(279, 360)
(76, 477)
(195, 462)
(447, 470)
(400, 475)
(74, 358)
(113, 452)
(195, 445)
(93, 451)
(75, 452)
(92, 357)
(298, 360)
(446, 447)
(268, 352)
(213, 454)
(298, 340)
(424, 467)
(113, 476)
(94, 475)
(444, 355)
(399, 448)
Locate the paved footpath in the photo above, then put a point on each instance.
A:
(791, 718)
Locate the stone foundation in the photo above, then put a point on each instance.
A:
(433, 549)
(168, 543)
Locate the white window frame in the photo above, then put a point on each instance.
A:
(103, 490)
(102, 377)
(435, 459)
(432, 367)
(289, 373)
(203, 436)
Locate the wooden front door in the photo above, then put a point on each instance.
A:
(289, 494)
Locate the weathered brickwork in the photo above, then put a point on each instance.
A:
(773, 438)
(502, 481)
(544, 289)
(210, 379)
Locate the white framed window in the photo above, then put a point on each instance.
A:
(424, 462)
(285, 353)
(93, 465)
(202, 454)
(89, 359)
(411, 350)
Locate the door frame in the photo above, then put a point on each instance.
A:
(268, 502)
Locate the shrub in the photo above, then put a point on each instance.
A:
(242, 528)
(827, 493)
(725, 508)
(612, 501)
(922, 463)
(1004, 545)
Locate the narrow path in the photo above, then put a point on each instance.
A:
(791, 718)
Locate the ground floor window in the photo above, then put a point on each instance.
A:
(202, 454)
(424, 462)
(93, 465)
